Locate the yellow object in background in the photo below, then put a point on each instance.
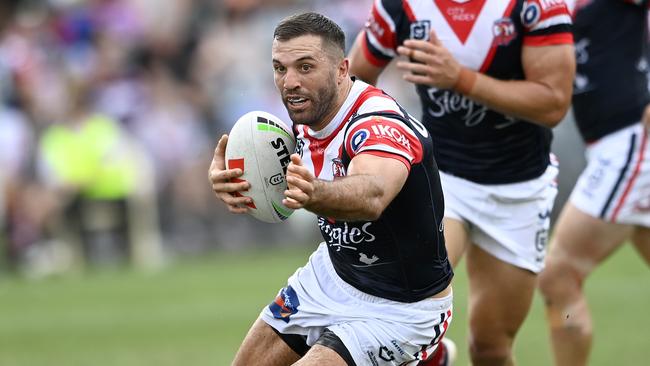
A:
(91, 156)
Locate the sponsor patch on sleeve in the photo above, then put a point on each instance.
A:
(384, 137)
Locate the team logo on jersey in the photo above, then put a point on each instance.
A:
(359, 138)
(420, 29)
(531, 13)
(504, 31)
(285, 305)
(338, 169)
(386, 354)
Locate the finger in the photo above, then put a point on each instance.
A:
(224, 176)
(413, 67)
(296, 196)
(419, 45)
(220, 150)
(406, 51)
(292, 204)
(230, 187)
(219, 157)
(233, 200)
(295, 158)
(433, 38)
(302, 185)
(418, 79)
(300, 172)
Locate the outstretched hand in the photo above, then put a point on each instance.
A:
(430, 63)
(300, 183)
(220, 178)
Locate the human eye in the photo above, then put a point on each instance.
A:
(279, 68)
(305, 67)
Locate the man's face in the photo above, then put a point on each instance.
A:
(306, 78)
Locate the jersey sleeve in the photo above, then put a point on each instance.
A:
(546, 23)
(384, 137)
(381, 31)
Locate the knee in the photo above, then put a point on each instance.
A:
(559, 279)
(492, 351)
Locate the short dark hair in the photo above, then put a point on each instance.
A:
(310, 23)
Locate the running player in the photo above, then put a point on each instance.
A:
(610, 203)
(493, 77)
(377, 291)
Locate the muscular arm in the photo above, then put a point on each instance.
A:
(544, 97)
(371, 184)
(359, 64)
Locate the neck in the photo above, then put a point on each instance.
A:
(342, 92)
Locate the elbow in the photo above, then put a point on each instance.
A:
(554, 115)
(374, 209)
(554, 118)
(374, 215)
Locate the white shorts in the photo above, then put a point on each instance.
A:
(375, 331)
(615, 186)
(509, 221)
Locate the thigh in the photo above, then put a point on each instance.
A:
(641, 240)
(581, 241)
(320, 355)
(263, 347)
(499, 298)
(456, 239)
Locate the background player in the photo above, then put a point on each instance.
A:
(493, 77)
(377, 291)
(610, 203)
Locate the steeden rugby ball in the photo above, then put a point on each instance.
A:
(260, 145)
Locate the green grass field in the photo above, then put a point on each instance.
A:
(195, 312)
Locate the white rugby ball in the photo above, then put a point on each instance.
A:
(260, 145)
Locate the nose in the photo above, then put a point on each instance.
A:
(291, 79)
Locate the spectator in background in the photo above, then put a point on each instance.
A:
(88, 163)
(16, 149)
(610, 203)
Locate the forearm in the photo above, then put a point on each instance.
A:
(355, 197)
(532, 101)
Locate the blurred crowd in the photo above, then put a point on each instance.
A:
(109, 112)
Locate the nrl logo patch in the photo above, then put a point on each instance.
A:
(420, 29)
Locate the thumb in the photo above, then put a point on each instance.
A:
(295, 159)
(220, 152)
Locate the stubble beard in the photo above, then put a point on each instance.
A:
(321, 102)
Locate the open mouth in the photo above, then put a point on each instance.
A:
(297, 102)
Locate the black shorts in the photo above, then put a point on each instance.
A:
(298, 344)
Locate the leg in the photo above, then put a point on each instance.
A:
(456, 240)
(262, 346)
(579, 244)
(499, 300)
(321, 355)
(641, 241)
